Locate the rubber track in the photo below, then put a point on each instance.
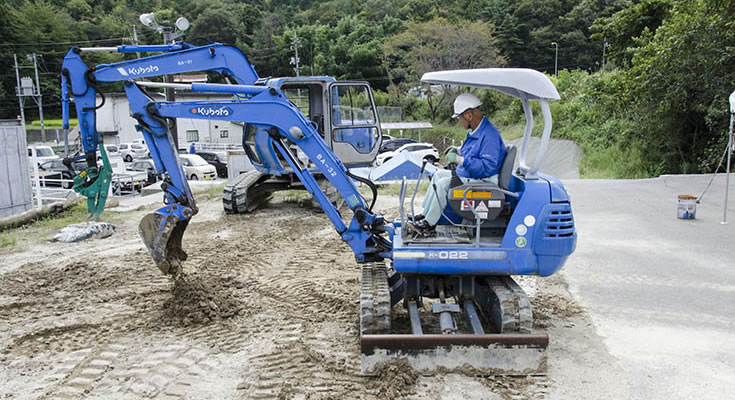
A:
(515, 307)
(331, 192)
(242, 195)
(374, 299)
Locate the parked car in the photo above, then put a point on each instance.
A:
(112, 151)
(130, 151)
(216, 158)
(146, 166)
(64, 173)
(394, 144)
(129, 182)
(43, 153)
(196, 167)
(422, 151)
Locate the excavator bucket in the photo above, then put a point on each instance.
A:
(162, 233)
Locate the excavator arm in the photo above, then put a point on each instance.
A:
(279, 123)
(80, 82)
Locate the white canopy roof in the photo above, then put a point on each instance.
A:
(511, 81)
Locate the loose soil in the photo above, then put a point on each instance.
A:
(267, 309)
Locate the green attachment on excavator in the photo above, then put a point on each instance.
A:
(94, 184)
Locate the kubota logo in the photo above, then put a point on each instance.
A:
(137, 70)
(212, 111)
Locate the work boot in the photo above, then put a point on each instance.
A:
(421, 228)
(416, 218)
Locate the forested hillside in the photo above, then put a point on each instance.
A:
(656, 102)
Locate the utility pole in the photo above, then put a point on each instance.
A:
(135, 40)
(604, 47)
(167, 32)
(19, 92)
(295, 44)
(556, 57)
(170, 33)
(39, 99)
(24, 88)
(729, 155)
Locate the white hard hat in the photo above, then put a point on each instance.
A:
(465, 101)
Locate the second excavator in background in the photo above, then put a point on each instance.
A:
(245, 193)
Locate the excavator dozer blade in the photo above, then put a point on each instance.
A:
(489, 353)
(162, 235)
(504, 343)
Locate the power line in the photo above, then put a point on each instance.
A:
(62, 43)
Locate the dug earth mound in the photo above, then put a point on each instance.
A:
(196, 300)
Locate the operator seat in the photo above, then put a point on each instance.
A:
(488, 200)
(318, 120)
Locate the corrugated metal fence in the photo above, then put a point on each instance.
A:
(15, 177)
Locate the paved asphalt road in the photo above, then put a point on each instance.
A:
(660, 290)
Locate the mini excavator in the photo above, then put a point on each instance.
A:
(459, 299)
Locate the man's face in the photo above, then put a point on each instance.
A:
(465, 118)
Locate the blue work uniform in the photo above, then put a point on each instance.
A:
(483, 152)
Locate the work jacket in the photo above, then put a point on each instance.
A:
(483, 152)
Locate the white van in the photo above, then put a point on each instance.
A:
(43, 154)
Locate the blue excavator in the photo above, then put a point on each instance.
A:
(243, 194)
(462, 305)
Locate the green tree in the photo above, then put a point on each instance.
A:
(440, 45)
(622, 28)
(680, 79)
(217, 23)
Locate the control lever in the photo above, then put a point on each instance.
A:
(416, 189)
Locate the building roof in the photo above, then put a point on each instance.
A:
(406, 125)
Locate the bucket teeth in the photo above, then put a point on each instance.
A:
(162, 236)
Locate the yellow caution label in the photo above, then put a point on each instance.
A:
(409, 254)
(457, 194)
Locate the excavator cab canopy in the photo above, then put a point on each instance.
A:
(522, 83)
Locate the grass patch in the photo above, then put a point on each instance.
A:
(51, 124)
(605, 163)
(394, 189)
(74, 215)
(7, 240)
(210, 192)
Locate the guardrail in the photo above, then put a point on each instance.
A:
(50, 186)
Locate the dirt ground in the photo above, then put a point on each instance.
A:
(268, 310)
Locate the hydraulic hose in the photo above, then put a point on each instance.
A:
(371, 185)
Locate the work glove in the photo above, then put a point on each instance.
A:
(454, 158)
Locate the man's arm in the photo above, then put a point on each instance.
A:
(485, 164)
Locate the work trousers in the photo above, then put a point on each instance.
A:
(436, 200)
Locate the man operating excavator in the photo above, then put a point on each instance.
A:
(478, 160)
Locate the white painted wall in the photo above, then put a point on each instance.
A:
(114, 116)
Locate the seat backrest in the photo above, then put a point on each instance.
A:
(506, 170)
